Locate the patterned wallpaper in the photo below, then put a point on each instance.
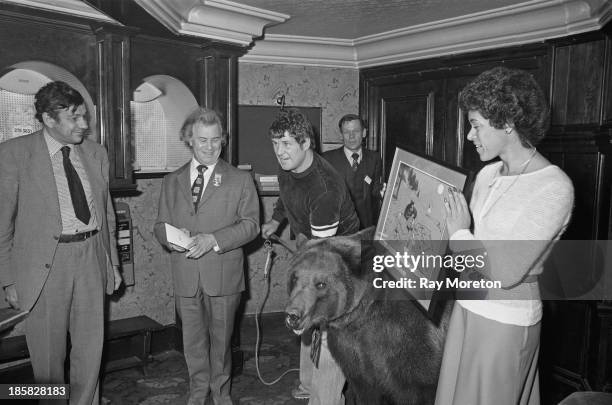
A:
(335, 90)
(152, 293)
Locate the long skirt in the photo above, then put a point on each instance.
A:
(488, 362)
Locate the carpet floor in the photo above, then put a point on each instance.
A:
(167, 382)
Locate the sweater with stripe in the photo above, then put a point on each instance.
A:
(316, 202)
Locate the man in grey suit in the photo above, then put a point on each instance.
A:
(57, 240)
(218, 206)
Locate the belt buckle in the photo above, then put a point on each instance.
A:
(77, 237)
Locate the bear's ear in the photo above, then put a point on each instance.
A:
(349, 248)
(357, 249)
(365, 234)
(300, 240)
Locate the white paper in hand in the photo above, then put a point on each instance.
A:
(177, 237)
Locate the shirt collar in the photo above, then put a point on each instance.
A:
(349, 154)
(53, 144)
(195, 164)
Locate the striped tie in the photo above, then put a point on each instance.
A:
(196, 189)
(355, 157)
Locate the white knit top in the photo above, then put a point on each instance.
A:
(533, 207)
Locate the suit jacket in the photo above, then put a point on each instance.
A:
(228, 209)
(30, 219)
(366, 195)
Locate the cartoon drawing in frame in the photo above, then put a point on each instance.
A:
(412, 218)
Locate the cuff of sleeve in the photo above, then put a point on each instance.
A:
(216, 248)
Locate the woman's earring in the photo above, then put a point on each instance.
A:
(508, 130)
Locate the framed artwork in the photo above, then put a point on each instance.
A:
(413, 218)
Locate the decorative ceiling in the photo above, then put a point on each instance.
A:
(352, 19)
(362, 33)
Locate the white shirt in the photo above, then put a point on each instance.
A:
(349, 155)
(70, 223)
(193, 173)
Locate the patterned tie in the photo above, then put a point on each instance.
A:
(355, 157)
(77, 194)
(196, 189)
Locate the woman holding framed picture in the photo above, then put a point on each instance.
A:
(524, 203)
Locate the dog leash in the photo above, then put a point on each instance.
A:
(282, 242)
(269, 252)
(315, 347)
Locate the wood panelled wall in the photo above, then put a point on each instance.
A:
(414, 106)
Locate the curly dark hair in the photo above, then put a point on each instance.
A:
(509, 96)
(55, 96)
(293, 123)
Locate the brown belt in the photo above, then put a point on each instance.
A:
(77, 237)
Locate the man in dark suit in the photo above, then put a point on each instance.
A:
(218, 206)
(57, 240)
(361, 169)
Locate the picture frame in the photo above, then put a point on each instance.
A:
(412, 217)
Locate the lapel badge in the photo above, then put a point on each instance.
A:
(217, 180)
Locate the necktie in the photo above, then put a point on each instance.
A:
(77, 194)
(196, 188)
(355, 157)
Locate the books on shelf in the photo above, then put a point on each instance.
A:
(268, 179)
(267, 182)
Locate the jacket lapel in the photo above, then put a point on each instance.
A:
(40, 165)
(367, 160)
(184, 180)
(345, 162)
(213, 185)
(93, 167)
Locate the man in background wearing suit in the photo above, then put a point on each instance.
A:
(57, 240)
(361, 169)
(218, 206)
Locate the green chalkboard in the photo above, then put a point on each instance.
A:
(254, 145)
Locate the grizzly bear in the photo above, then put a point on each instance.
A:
(389, 349)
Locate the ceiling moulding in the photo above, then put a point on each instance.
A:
(527, 22)
(303, 51)
(219, 20)
(70, 7)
